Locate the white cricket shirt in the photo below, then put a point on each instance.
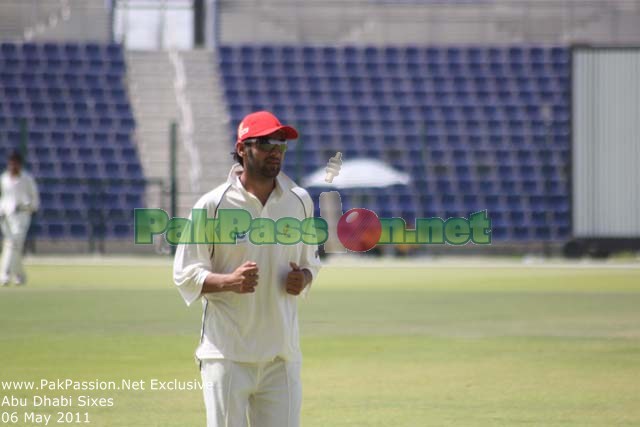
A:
(18, 192)
(259, 326)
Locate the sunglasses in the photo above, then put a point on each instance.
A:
(267, 145)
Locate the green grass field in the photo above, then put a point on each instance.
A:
(385, 346)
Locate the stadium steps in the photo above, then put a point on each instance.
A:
(211, 121)
(151, 78)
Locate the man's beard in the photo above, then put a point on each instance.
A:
(270, 171)
(265, 170)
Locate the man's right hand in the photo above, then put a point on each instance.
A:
(244, 279)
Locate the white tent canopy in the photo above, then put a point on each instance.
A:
(359, 173)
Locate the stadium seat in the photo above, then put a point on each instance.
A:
(63, 92)
(434, 104)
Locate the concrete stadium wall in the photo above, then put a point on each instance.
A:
(428, 21)
(55, 20)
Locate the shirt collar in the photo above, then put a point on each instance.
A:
(282, 181)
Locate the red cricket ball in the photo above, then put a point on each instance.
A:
(359, 229)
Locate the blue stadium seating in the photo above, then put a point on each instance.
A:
(72, 98)
(477, 127)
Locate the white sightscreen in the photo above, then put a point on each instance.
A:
(606, 142)
(153, 24)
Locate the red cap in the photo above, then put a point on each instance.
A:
(262, 123)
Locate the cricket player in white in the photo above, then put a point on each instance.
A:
(249, 350)
(18, 201)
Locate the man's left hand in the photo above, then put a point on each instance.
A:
(297, 279)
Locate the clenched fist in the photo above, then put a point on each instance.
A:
(244, 279)
(296, 279)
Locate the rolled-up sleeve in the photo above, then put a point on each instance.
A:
(191, 265)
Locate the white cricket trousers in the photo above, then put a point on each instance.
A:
(14, 232)
(252, 394)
